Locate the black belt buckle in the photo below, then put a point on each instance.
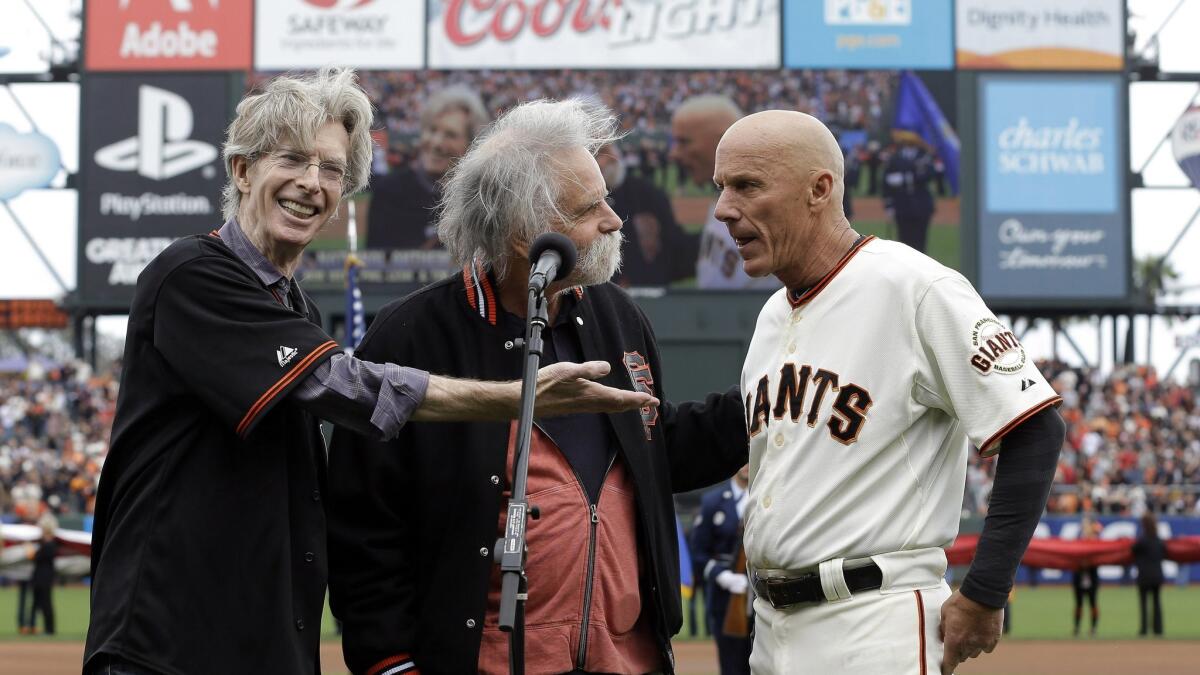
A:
(787, 593)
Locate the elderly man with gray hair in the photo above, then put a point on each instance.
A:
(412, 572)
(208, 554)
(402, 205)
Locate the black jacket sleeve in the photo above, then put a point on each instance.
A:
(372, 571)
(231, 341)
(706, 440)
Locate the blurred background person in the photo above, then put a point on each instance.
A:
(42, 581)
(403, 201)
(1085, 581)
(656, 251)
(1148, 554)
(716, 547)
(906, 189)
(696, 127)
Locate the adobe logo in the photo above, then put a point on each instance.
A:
(161, 149)
(168, 34)
(337, 4)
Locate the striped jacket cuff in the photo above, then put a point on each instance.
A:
(394, 665)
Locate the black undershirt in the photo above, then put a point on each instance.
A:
(585, 439)
(797, 293)
(1025, 469)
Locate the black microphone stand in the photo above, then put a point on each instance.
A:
(510, 550)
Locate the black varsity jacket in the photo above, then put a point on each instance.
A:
(408, 518)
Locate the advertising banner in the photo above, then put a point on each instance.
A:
(604, 34)
(1040, 34)
(868, 34)
(1116, 527)
(168, 34)
(380, 34)
(27, 161)
(1052, 220)
(151, 172)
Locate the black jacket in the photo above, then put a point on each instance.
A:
(208, 547)
(409, 518)
(1148, 554)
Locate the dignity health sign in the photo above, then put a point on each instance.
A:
(1052, 206)
(603, 34)
(1039, 34)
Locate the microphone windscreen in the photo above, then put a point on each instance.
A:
(560, 244)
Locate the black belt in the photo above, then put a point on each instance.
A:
(806, 588)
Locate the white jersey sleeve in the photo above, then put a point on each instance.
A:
(974, 368)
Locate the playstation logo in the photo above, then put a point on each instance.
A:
(161, 149)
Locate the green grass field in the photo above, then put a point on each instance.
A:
(1042, 613)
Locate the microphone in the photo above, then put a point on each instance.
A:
(553, 257)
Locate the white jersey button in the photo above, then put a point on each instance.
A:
(779, 440)
(791, 347)
(766, 502)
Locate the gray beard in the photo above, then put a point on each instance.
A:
(599, 261)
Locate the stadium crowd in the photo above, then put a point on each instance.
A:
(1133, 443)
(644, 99)
(53, 438)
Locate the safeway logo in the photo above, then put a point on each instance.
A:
(161, 149)
(168, 34)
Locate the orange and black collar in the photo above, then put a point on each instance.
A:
(481, 292)
(800, 297)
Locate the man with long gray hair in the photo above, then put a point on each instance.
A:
(412, 571)
(208, 554)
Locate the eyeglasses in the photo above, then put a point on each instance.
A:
(295, 163)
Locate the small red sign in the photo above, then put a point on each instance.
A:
(168, 34)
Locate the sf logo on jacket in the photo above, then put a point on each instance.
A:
(850, 406)
(643, 381)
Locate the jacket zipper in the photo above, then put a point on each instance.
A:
(581, 655)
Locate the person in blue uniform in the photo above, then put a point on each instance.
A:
(716, 540)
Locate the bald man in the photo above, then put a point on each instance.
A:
(866, 377)
(696, 127)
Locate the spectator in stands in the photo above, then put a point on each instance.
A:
(1148, 554)
(1085, 581)
(403, 201)
(655, 251)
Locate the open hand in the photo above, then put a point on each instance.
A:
(967, 629)
(565, 388)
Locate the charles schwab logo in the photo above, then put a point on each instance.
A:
(158, 41)
(1070, 149)
(161, 149)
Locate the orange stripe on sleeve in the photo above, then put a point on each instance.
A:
(996, 437)
(281, 384)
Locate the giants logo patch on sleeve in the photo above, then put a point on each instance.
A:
(996, 348)
(643, 381)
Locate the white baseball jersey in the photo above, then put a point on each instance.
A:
(720, 264)
(860, 397)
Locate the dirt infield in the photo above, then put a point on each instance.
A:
(1028, 657)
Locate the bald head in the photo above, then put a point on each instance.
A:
(781, 176)
(798, 140)
(696, 127)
